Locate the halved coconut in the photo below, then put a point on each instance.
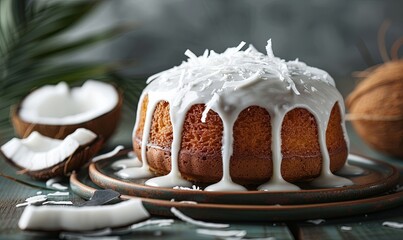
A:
(42, 157)
(57, 111)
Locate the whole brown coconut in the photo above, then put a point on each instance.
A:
(376, 108)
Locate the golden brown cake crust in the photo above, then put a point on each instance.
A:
(200, 155)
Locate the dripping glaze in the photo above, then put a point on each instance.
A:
(229, 82)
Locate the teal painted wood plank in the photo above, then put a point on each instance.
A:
(358, 146)
(12, 193)
(361, 228)
(367, 226)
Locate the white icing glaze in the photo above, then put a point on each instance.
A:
(230, 82)
(109, 154)
(126, 163)
(173, 178)
(130, 167)
(350, 170)
(277, 182)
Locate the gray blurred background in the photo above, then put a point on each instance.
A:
(322, 33)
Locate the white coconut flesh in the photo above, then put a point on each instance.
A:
(53, 218)
(38, 152)
(60, 105)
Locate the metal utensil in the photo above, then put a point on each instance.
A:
(103, 197)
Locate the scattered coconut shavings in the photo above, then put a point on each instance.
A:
(222, 233)
(316, 221)
(190, 54)
(109, 154)
(181, 78)
(209, 105)
(244, 83)
(194, 188)
(346, 228)
(22, 204)
(36, 198)
(313, 89)
(165, 222)
(269, 49)
(58, 203)
(38, 192)
(393, 225)
(33, 200)
(187, 219)
(59, 186)
(57, 194)
(43, 198)
(294, 88)
(54, 183)
(238, 48)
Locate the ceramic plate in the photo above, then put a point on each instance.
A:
(378, 177)
(82, 185)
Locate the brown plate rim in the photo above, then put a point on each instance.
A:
(234, 212)
(250, 197)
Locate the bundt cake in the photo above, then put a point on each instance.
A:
(241, 118)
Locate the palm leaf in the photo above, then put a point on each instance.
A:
(29, 42)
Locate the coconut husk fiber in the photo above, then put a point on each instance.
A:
(376, 108)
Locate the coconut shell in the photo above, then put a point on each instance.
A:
(77, 160)
(104, 125)
(376, 108)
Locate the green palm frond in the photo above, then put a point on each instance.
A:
(30, 42)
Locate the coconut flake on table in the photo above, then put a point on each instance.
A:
(393, 225)
(52, 218)
(32, 200)
(41, 198)
(56, 194)
(79, 104)
(58, 186)
(38, 152)
(346, 228)
(163, 222)
(222, 233)
(316, 221)
(57, 203)
(190, 220)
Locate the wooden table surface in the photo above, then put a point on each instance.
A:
(368, 226)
